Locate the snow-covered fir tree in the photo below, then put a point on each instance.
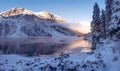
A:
(114, 27)
(103, 25)
(95, 26)
(108, 10)
(108, 13)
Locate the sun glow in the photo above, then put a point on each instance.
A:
(85, 26)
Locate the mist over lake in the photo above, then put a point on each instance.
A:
(32, 46)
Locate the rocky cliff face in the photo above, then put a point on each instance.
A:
(20, 22)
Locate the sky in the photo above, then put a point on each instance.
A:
(76, 12)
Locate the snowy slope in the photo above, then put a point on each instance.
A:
(110, 53)
(22, 23)
(47, 15)
(106, 57)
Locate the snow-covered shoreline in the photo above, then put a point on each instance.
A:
(104, 58)
(16, 62)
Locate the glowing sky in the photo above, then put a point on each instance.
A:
(74, 11)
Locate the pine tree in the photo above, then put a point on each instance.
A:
(108, 13)
(103, 25)
(95, 26)
(114, 27)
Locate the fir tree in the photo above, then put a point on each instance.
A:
(114, 27)
(103, 25)
(95, 26)
(108, 13)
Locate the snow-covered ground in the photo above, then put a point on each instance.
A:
(109, 51)
(20, 63)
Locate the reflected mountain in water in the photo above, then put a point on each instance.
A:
(33, 46)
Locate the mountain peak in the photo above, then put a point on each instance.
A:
(16, 11)
(17, 8)
(44, 14)
(47, 15)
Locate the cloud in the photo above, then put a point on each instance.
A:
(83, 27)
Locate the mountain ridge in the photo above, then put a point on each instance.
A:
(20, 22)
(43, 14)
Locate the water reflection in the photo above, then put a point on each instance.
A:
(78, 45)
(34, 46)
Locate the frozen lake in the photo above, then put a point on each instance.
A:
(33, 46)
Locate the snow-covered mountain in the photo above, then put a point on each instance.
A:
(20, 22)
